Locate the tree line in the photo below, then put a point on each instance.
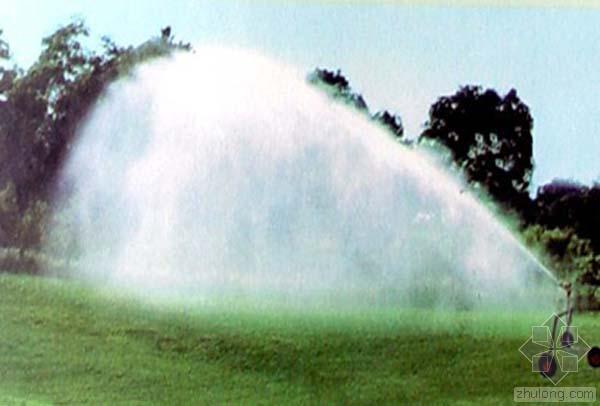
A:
(488, 138)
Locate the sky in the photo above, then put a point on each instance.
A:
(400, 56)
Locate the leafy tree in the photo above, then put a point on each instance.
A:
(391, 121)
(7, 74)
(37, 101)
(40, 110)
(564, 203)
(572, 258)
(338, 87)
(489, 137)
(9, 209)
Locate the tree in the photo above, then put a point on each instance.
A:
(9, 209)
(391, 121)
(37, 100)
(564, 203)
(490, 138)
(40, 110)
(572, 258)
(338, 87)
(7, 74)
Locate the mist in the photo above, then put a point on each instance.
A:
(223, 174)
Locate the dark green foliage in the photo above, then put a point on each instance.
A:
(570, 204)
(489, 137)
(391, 121)
(338, 87)
(567, 224)
(39, 100)
(39, 113)
(573, 258)
(7, 75)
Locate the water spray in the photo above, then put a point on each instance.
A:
(224, 174)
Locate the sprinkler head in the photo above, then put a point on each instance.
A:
(593, 357)
(567, 286)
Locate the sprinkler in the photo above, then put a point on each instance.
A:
(547, 362)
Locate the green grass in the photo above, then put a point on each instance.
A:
(62, 342)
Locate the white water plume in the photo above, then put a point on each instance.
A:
(222, 173)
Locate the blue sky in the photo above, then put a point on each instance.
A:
(400, 57)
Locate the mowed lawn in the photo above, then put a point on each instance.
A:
(62, 342)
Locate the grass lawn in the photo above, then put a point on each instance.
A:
(62, 342)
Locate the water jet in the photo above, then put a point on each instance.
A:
(222, 173)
